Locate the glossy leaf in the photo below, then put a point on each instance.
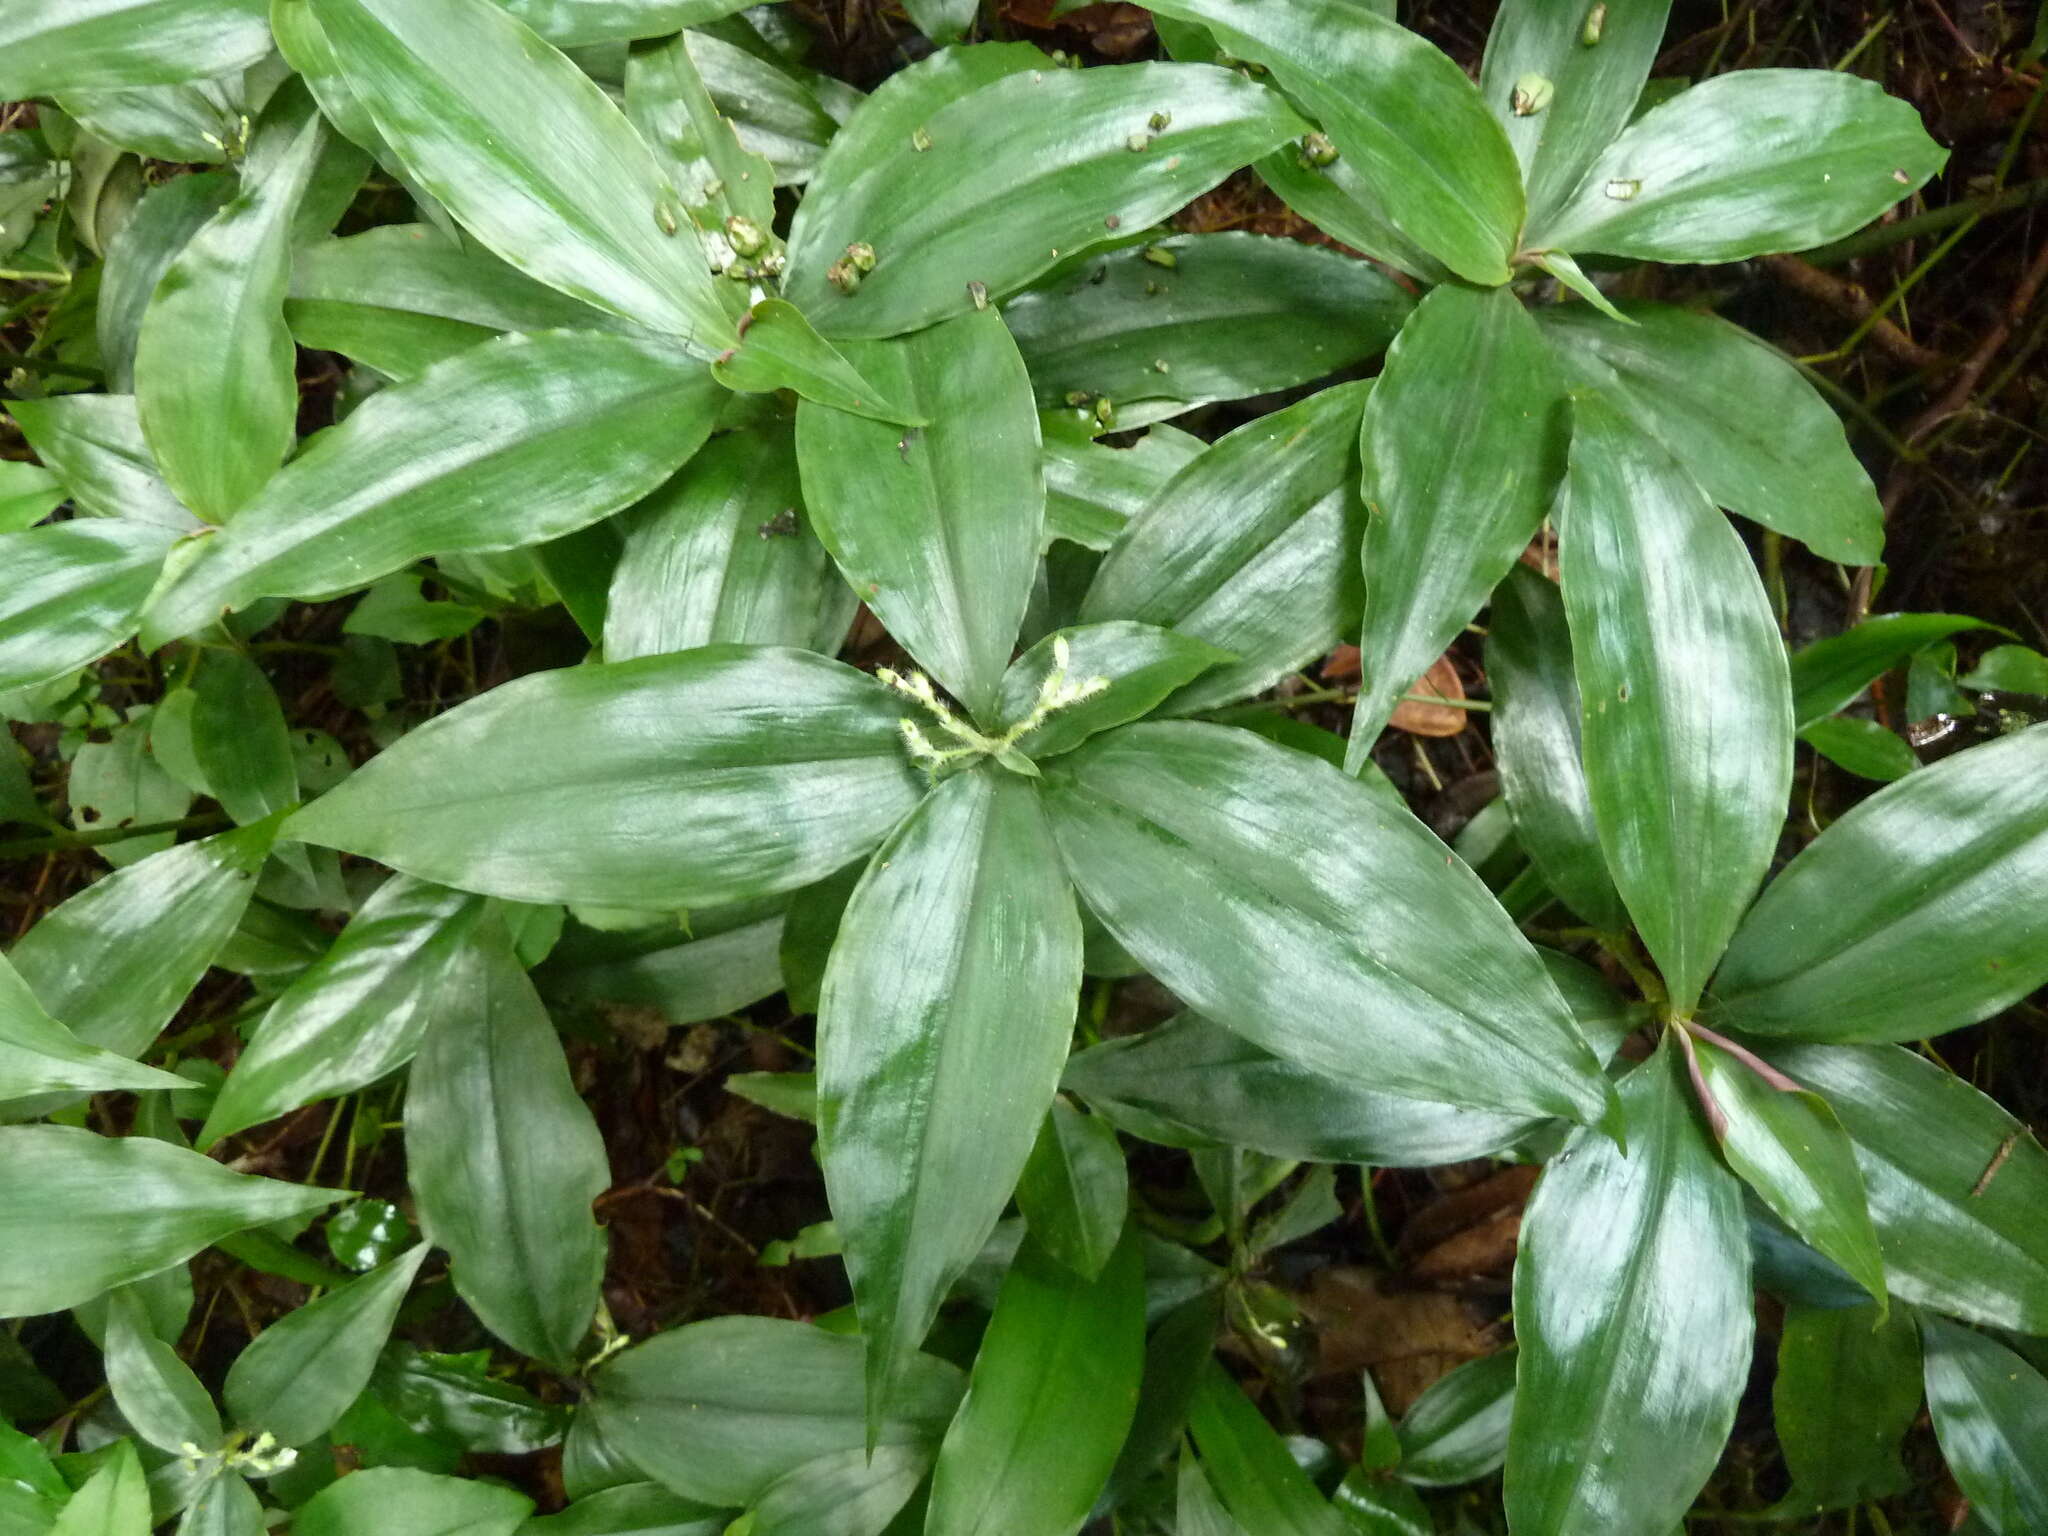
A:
(240, 742)
(520, 440)
(95, 45)
(1633, 1315)
(74, 591)
(1744, 163)
(1463, 443)
(136, 259)
(155, 1390)
(718, 971)
(1249, 1466)
(1196, 1509)
(567, 23)
(1847, 1390)
(1911, 914)
(1861, 747)
(728, 772)
(114, 1501)
(503, 1157)
(1075, 1192)
(2009, 669)
(947, 1011)
(1457, 1431)
(95, 445)
(1830, 673)
(631, 1509)
(1093, 490)
(81, 1214)
(1990, 1411)
(39, 1055)
(1250, 547)
(1138, 666)
(1341, 200)
(781, 113)
(224, 1506)
(937, 528)
(399, 1501)
(28, 493)
(779, 350)
(1686, 706)
(671, 107)
(1244, 876)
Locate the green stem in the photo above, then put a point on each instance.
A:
(46, 365)
(64, 842)
(1884, 236)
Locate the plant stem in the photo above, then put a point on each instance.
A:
(64, 842)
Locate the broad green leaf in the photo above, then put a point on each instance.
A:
(938, 527)
(1021, 171)
(1457, 1431)
(1536, 743)
(519, 440)
(1093, 490)
(1686, 707)
(1196, 318)
(215, 380)
(1862, 747)
(94, 443)
(39, 1055)
(50, 46)
(1594, 61)
(1075, 1192)
(1847, 1390)
(1249, 1465)
(948, 1008)
(669, 104)
(1955, 1184)
(74, 591)
(28, 493)
(849, 1493)
(632, 1509)
(1463, 443)
(1196, 1509)
(724, 553)
(779, 350)
(1754, 161)
(1990, 1411)
(117, 784)
(398, 1501)
(1251, 547)
(707, 975)
(81, 1214)
(240, 742)
(943, 21)
(137, 258)
(720, 773)
(572, 23)
(1830, 673)
(807, 936)
(113, 1502)
(225, 1505)
(1054, 1386)
(397, 609)
(1398, 109)
(454, 1399)
(1136, 666)
(1915, 913)
(193, 122)
(720, 1410)
(781, 113)
(1249, 880)
(155, 1390)
(1339, 199)
(504, 1159)
(529, 154)
(1788, 1146)
(1735, 412)
(1633, 1317)
(2009, 669)
(299, 1375)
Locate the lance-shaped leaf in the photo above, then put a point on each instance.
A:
(1831, 672)
(1338, 199)
(300, 1374)
(724, 553)
(1250, 547)
(401, 1501)
(1463, 444)
(138, 256)
(39, 1055)
(1135, 665)
(114, 1501)
(95, 445)
(632, 1509)
(669, 103)
(357, 1013)
(1917, 912)
(1398, 109)
(1232, 315)
(947, 1011)
(1075, 1191)
(225, 1505)
(1250, 1466)
(576, 23)
(669, 782)
(1250, 880)
(956, 178)
(1990, 1411)
(155, 1390)
(240, 742)
(729, 961)
(1754, 161)
(1955, 1184)
(74, 591)
(938, 528)
(1847, 1390)
(503, 1158)
(99, 45)
(779, 350)
(1093, 490)
(1687, 708)
(214, 361)
(781, 113)
(1633, 1316)
(81, 1214)
(1735, 412)
(529, 154)
(521, 440)
(1457, 1431)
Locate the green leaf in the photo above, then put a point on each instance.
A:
(632, 1509)
(1457, 1431)
(1075, 1191)
(240, 742)
(724, 773)
(504, 1159)
(1250, 880)
(225, 1505)
(519, 440)
(113, 1502)
(452, 1399)
(1911, 915)
(300, 1374)
(1463, 443)
(95, 445)
(397, 609)
(1339, 199)
(1233, 315)
(1990, 1410)
(192, 122)
(74, 591)
(1196, 1510)
(720, 1410)
(947, 1012)
(1093, 490)
(1847, 1390)
(398, 1501)
(1398, 109)
(937, 528)
(724, 553)
(137, 257)
(707, 976)
(156, 1391)
(1735, 412)
(1862, 747)
(779, 350)
(2009, 669)
(1788, 1146)
(670, 105)
(1754, 161)
(39, 1055)
(943, 21)
(1830, 673)
(117, 784)
(1250, 547)
(529, 155)
(1054, 1386)
(1137, 665)
(1633, 1315)
(95, 45)
(1250, 1467)
(28, 492)
(82, 1214)
(1027, 164)
(1686, 706)
(780, 113)
(570, 23)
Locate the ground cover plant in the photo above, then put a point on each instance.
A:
(554, 543)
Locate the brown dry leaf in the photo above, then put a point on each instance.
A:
(1343, 665)
(1417, 719)
(1407, 1338)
